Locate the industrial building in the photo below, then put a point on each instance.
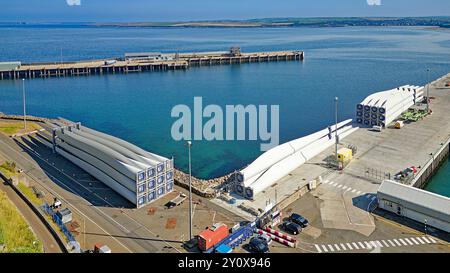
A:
(9, 66)
(422, 206)
(283, 159)
(139, 176)
(380, 109)
(147, 56)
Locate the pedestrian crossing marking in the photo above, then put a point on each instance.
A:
(367, 245)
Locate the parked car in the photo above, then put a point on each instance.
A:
(406, 174)
(291, 227)
(299, 220)
(266, 238)
(258, 245)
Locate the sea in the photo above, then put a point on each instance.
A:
(344, 62)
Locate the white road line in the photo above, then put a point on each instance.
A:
(344, 187)
(403, 242)
(420, 240)
(334, 184)
(349, 189)
(426, 240)
(349, 246)
(337, 247)
(343, 247)
(414, 241)
(325, 182)
(340, 186)
(432, 240)
(318, 249)
(331, 247)
(392, 243)
(361, 245)
(384, 242)
(373, 244)
(355, 245)
(408, 241)
(397, 242)
(358, 192)
(368, 246)
(353, 190)
(378, 242)
(324, 248)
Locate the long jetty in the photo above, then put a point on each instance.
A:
(174, 61)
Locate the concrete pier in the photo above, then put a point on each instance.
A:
(174, 61)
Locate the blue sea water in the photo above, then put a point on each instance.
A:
(346, 62)
(440, 183)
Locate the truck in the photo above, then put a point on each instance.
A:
(210, 237)
(176, 201)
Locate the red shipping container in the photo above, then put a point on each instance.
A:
(210, 237)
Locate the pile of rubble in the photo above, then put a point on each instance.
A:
(206, 188)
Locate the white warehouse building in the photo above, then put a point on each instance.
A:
(415, 204)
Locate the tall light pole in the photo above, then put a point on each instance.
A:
(428, 90)
(336, 99)
(24, 105)
(189, 143)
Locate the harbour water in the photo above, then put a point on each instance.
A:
(440, 183)
(346, 62)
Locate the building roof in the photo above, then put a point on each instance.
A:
(143, 54)
(428, 202)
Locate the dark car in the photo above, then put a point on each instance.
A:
(258, 245)
(292, 228)
(299, 220)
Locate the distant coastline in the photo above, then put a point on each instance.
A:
(436, 21)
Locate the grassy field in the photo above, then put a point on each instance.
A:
(8, 169)
(30, 195)
(15, 235)
(10, 128)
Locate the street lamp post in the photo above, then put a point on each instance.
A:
(24, 105)
(189, 143)
(428, 90)
(336, 99)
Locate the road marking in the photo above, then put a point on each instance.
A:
(384, 242)
(362, 245)
(432, 240)
(349, 246)
(331, 248)
(318, 249)
(408, 241)
(344, 187)
(392, 243)
(343, 247)
(426, 240)
(403, 242)
(368, 245)
(337, 247)
(340, 186)
(420, 240)
(353, 190)
(71, 190)
(324, 248)
(397, 242)
(414, 241)
(334, 184)
(355, 245)
(373, 244)
(358, 192)
(378, 242)
(325, 182)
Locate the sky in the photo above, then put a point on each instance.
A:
(188, 10)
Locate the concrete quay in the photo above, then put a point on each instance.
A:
(347, 197)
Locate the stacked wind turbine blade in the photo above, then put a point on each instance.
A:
(137, 175)
(382, 108)
(283, 159)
